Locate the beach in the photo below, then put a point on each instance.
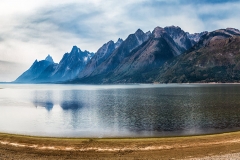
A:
(191, 147)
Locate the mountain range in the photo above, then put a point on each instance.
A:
(47, 71)
(165, 55)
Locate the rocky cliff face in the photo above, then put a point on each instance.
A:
(118, 43)
(179, 37)
(100, 56)
(123, 51)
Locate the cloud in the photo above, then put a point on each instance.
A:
(68, 18)
(35, 29)
(209, 1)
(192, 16)
(8, 70)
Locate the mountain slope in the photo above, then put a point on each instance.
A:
(215, 58)
(68, 68)
(179, 37)
(100, 56)
(132, 41)
(35, 70)
(71, 64)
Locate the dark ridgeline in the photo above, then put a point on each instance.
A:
(102, 54)
(167, 55)
(215, 58)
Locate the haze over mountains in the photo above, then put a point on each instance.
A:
(47, 71)
(167, 55)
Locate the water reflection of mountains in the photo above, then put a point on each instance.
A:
(47, 105)
(65, 105)
(185, 110)
(67, 100)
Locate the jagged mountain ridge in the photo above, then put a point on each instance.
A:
(48, 71)
(114, 59)
(145, 58)
(132, 41)
(71, 64)
(68, 68)
(100, 56)
(130, 65)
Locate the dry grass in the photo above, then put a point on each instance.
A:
(27, 147)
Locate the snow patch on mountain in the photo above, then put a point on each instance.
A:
(195, 37)
(118, 43)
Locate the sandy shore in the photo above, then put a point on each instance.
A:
(219, 146)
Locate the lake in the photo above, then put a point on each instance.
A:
(136, 110)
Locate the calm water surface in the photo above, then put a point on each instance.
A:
(119, 110)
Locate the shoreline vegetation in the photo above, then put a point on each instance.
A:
(14, 146)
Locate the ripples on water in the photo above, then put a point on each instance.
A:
(119, 110)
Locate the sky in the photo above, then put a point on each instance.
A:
(31, 30)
